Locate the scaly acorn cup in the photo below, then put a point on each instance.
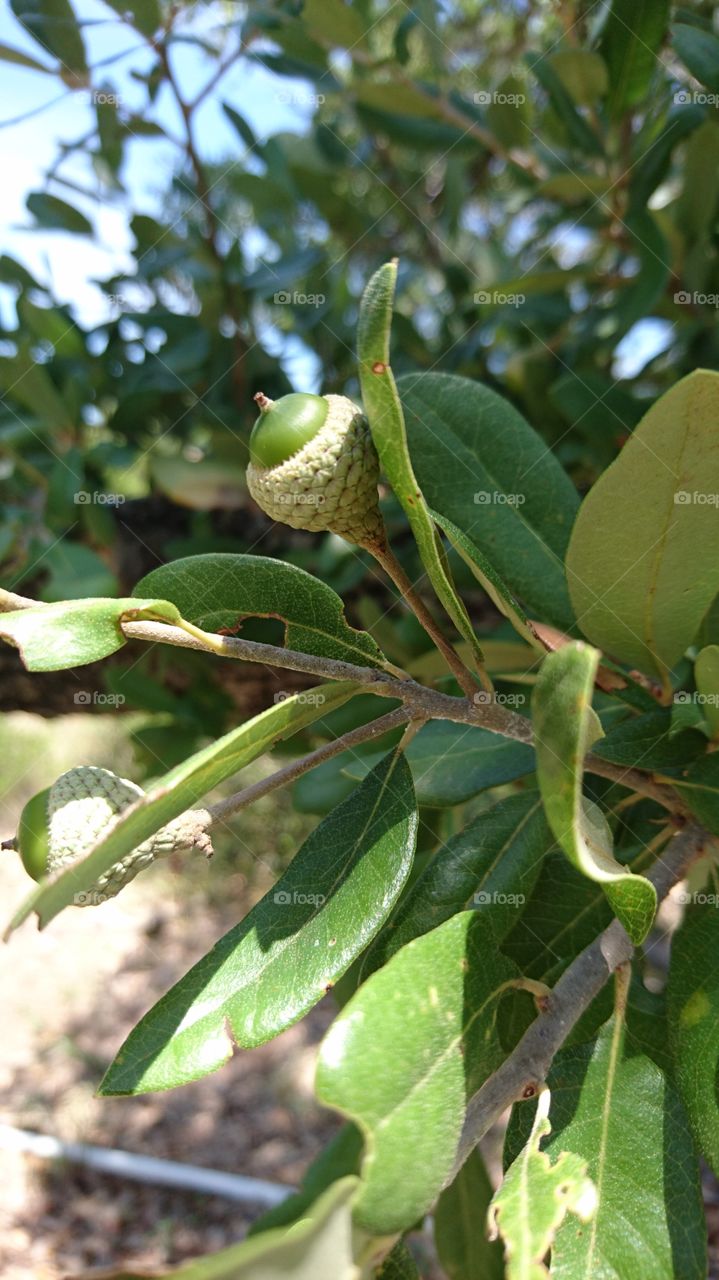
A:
(81, 805)
(313, 465)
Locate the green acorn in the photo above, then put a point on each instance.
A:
(313, 465)
(58, 826)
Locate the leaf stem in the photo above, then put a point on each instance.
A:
(392, 567)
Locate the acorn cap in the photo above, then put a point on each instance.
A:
(83, 803)
(328, 483)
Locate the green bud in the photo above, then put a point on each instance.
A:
(284, 426)
(82, 805)
(317, 475)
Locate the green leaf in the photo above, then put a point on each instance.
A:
(693, 1016)
(52, 23)
(535, 1198)
(699, 51)
(220, 590)
(564, 914)
(696, 207)
(8, 54)
(71, 633)
(146, 15)
(340, 1158)
(632, 36)
(335, 23)
(648, 742)
(460, 1232)
(240, 124)
(650, 514)
(563, 724)
(413, 1043)
(55, 214)
(482, 467)
(182, 788)
(699, 788)
(384, 413)
(25, 381)
(583, 74)
(492, 866)
(706, 674)
(496, 589)
(579, 134)
(319, 1247)
(452, 762)
(270, 969)
(614, 1108)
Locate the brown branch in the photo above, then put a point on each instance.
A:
(524, 1071)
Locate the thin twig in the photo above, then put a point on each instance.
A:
(392, 567)
(524, 1071)
(364, 733)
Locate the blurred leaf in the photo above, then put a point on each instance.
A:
(203, 485)
(632, 36)
(627, 558)
(564, 729)
(146, 15)
(182, 788)
(580, 135)
(699, 51)
(241, 125)
(335, 23)
(696, 207)
(52, 23)
(699, 788)
(583, 74)
(401, 1059)
(8, 54)
(55, 214)
(28, 382)
(706, 674)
